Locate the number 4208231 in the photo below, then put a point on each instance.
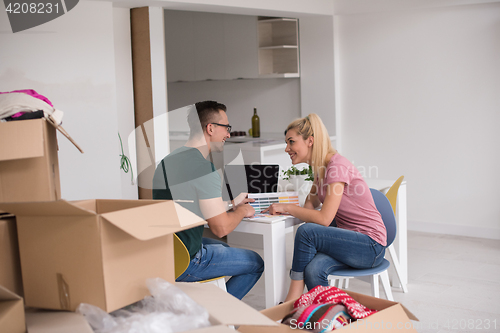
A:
(32, 8)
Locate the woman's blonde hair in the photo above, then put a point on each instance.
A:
(322, 146)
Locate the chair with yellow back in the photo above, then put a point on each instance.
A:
(392, 195)
(387, 208)
(182, 259)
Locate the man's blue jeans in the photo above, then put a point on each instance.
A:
(216, 258)
(320, 250)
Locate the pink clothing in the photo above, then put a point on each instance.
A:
(357, 211)
(30, 92)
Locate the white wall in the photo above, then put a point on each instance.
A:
(71, 61)
(125, 94)
(317, 77)
(420, 96)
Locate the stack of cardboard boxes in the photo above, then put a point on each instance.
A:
(57, 254)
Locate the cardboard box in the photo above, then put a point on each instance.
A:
(39, 321)
(98, 252)
(11, 312)
(391, 316)
(224, 309)
(10, 266)
(29, 167)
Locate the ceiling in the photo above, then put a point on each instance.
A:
(294, 8)
(345, 7)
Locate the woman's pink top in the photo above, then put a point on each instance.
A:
(357, 211)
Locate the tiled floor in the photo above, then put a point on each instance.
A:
(454, 283)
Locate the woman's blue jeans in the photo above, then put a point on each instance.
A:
(216, 258)
(320, 250)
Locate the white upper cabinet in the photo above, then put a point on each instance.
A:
(278, 47)
(210, 46)
(241, 46)
(180, 46)
(210, 56)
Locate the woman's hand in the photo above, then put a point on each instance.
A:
(307, 213)
(277, 209)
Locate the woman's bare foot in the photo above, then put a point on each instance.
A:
(296, 289)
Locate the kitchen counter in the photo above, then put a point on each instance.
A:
(262, 144)
(268, 149)
(266, 142)
(264, 136)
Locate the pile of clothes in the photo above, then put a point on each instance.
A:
(27, 104)
(324, 309)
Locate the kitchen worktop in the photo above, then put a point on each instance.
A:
(259, 144)
(265, 137)
(266, 142)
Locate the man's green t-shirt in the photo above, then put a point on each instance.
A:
(186, 175)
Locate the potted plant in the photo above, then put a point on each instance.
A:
(300, 179)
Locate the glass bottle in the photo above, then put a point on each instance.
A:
(255, 124)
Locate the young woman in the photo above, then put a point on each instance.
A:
(347, 230)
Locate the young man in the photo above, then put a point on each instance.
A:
(188, 176)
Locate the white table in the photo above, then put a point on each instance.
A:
(276, 274)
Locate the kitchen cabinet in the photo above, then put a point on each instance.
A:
(240, 46)
(213, 46)
(179, 46)
(278, 47)
(210, 46)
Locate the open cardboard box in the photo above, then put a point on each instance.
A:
(11, 312)
(14, 318)
(224, 309)
(28, 161)
(42, 321)
(10, 266)
(98, 252)
(391, 316)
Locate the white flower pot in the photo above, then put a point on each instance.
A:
(301, 185)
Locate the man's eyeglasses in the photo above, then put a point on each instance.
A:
(228, 127)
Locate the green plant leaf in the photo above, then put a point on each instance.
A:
(294, 171)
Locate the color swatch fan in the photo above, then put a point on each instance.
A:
(264, 200)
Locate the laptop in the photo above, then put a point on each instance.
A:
(254, 178)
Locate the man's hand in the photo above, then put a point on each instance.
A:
(242, 198)
(249, 211)
(277, 209)
(221, 222)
